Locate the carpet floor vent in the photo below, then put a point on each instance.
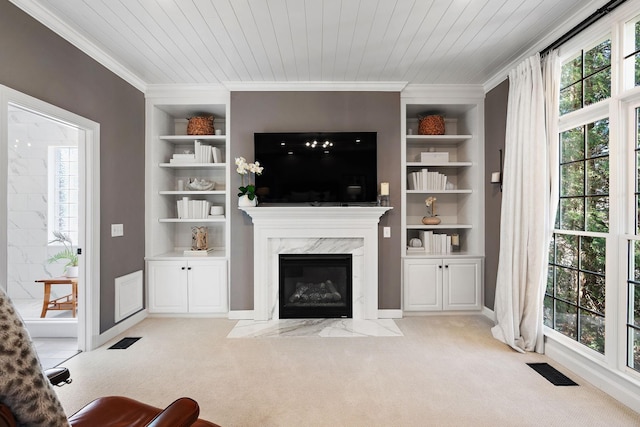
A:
(124, 343)
(554, 376)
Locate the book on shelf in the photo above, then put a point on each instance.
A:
(193, 209)
(437, 243)
(426, 180)
(204, 252)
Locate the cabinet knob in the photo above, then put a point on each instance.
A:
(183, 268)
(446, 266)
(439, 266)
(188, 268)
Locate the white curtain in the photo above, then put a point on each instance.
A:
(528, 203)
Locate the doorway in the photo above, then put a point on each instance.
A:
(51, 182)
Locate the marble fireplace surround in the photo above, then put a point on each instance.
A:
(315, 229)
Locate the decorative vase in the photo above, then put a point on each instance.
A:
(430, 220)
(71, 271)
(244, 202)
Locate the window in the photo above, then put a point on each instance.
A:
(632, 56)
(633, 279)
(586, 78)
(575, 295)
(63, 191)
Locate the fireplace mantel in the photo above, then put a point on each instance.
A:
(282, 229)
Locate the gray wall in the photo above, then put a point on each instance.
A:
(41, 64)
(495, 121)
(317, 111)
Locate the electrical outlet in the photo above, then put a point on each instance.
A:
(117, 230)
(386, 232)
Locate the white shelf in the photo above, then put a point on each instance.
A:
(438, 139)
(193, 192)
(464, 191)
(423, 254)
(179, 254)
(193, 165)
(438, 226)
(440, 165)
(189, 220)
(185, 139)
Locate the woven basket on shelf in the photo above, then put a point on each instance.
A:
(202, 125)
(431, 125)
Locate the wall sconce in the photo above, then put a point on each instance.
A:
(496, 177)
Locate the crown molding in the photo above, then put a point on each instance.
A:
(186, 91)
(444, 93)
(316, 86)
(37, 11)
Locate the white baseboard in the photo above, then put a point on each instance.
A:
(487, 312)
(390, 314)
(119, 328)
(623, 389)
(241, 315)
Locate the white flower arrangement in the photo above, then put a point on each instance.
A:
(244, 169)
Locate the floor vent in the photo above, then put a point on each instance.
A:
(124, 343)
(554, 376)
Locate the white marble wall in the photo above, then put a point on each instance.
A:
(30, 135)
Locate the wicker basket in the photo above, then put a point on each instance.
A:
(202, 125)
(431, 125)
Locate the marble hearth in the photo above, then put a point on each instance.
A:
(320, 230)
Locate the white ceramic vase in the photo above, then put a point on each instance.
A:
(244, 202)
(72, 271)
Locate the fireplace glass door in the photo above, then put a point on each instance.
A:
(315, 286)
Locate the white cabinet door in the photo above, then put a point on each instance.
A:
(461, 284)
(422, 284)
(207, 286)
(167, 286)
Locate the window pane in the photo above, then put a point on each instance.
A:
(550, 274)
(567, 250)
(567, 284)
(597, 87)
(572, 214)
(597, 57)
(566, 319)
(637, 37)
(592, 292)
(593, 254)
(572, 145)
(548, 312)
(598, 176)
(635, 342)
(598, 138)
(592, 331)
(572, 179)
(571, 98)
(571, 72)
(598, 214)
(635, 297)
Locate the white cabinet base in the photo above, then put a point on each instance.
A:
(434, 284)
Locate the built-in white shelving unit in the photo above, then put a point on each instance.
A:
(444, 279)
(178, 282)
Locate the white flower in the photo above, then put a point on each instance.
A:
(429, 201)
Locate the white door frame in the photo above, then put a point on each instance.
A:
(89, 285)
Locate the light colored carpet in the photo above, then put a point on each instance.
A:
(444, 371)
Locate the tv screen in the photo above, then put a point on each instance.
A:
(321, 167)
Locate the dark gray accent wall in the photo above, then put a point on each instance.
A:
(495, 123)
(36, 61)
(317, 111)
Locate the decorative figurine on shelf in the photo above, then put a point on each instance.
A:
(431, 218)
(247, 194)
(199, 238)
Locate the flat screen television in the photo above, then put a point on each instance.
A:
(325, 168)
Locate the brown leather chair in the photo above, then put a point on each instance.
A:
(27, 392)
(118, 411)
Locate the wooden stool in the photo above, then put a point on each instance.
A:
(67, 302)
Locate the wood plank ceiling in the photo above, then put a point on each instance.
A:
(217, 41)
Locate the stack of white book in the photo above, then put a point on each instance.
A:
(435, 243)
(201, 154)
(426, 180)
(193, 209)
